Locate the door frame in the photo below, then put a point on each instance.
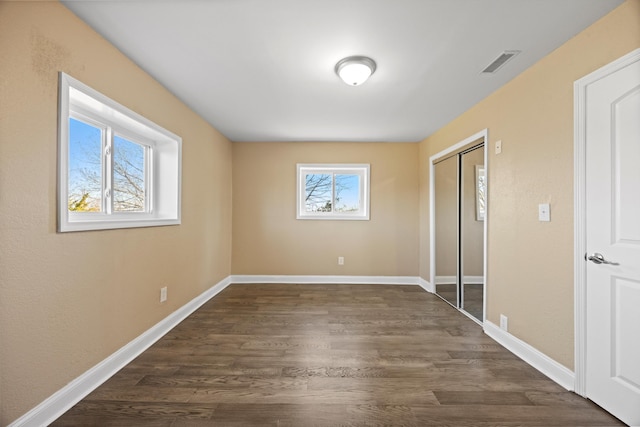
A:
(484, 135)
(580, 219)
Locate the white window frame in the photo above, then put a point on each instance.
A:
(360, 169)
(163, 161)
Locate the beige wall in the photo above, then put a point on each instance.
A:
(530, 264)
(67, 301)
(267, 238)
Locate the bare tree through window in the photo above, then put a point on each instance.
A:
(320, 196)
(87, 171)
(128, 176)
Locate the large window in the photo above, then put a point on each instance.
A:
(116, 168)
(333, 191)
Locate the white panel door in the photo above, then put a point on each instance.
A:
(613, 242)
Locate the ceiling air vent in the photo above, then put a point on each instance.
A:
(500, 61)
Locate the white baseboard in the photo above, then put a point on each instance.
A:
(543, 363)
(61, 401)
(427, 286)
(473, 280)
(452, 280)
(358, 280)
(446, 280)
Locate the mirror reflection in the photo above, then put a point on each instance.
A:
(446, 217)
(472, 235)
(460, 189)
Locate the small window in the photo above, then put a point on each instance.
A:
(116, 168)
(333, 191)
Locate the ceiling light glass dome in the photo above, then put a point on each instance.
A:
(355, 70)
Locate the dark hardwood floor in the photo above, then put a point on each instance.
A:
(330, 355)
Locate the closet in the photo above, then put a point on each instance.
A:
(458, 207)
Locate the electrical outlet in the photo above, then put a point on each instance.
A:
(163, 294)
(340, 260)
(504, 322)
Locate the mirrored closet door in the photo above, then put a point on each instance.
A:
(459, 209)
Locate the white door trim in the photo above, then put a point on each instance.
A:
(484, 134)
(580, 201)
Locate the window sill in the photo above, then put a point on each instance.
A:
(113, 223)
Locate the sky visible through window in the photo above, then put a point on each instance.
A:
(128, 176)
(347, 193)
(319, 193)
(86, 178)
(85, 167)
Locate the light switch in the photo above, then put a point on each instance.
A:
(544, 212)
(498, 147)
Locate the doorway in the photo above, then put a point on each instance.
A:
(458, 230)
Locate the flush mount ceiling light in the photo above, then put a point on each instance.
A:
(355, 70)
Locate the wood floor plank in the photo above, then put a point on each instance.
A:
(141, 410)
(212, 371)
(356, 372)
(482, 398)
(302, 397)
(104, 419)
(312, 415)
(277, 415)
(142, 394)
(505, 415)
(330, 355)
(224, 382)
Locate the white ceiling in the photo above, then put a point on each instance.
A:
(263, 70)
